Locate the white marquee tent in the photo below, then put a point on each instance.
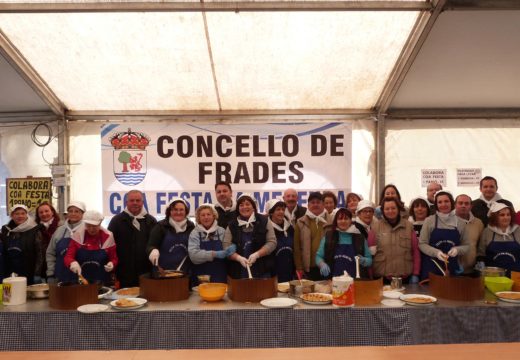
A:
(425, 84)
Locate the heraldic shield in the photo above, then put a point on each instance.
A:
(129, 162)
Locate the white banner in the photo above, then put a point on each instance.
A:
(186, 160)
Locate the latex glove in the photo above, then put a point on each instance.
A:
(373, 250)
(231, 250)
(453, 252)
(242, 260)
(480, 265)
(75, 267)
(109, 266)
(37, 279)
(154, 257)
(324, 269)
(221, 254)
(300, 274)
(363, 261)
(441, 256)
(414, 279)
(253, 257)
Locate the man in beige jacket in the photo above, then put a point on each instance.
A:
(473, 230)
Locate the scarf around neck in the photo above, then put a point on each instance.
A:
(286, 226)
(26, 225)
(248, 222)
(209, 231)
(136, 218)
(493, 199)
(179, 226)
(449, 219)
(317, 218)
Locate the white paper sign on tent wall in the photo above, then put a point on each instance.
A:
(469, 177)
(431, 175)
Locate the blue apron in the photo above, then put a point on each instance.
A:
(504, 254)
(92, 264)
(15, 254)
(284, 257)
(246, 245)
(344, 260)
(174, 248)
(61, 272)
(444, 240)
(216, 268)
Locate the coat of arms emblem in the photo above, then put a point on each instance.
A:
(129, 156)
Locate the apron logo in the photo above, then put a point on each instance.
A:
(170, 250)
(513, 259)
(284, 248)
(91, 263)
(346, 257)
(129, 161)
(447, 242)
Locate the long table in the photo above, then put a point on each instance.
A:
(195, 324)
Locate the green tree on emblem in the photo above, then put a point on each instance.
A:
(124, 158)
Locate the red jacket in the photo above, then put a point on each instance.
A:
(81, 239)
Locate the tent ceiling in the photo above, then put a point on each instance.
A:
(219, 61)
(470, 60)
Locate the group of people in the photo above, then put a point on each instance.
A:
(231, 238)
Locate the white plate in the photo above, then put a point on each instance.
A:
(389, 288)
(139, 301)
(284, 287)
(278, 303)
(409, 296)
(107, 292)
(392, 294)
(392, 302)
(507, 300)
(195, 289)
(318, 302)
(92, 308)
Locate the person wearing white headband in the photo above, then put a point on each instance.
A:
(499, 244)
(131, 229)
(205, 246)
(254, 239)
(92, 251)
(55, 254)
(168, 243)
(22, 245)
(442, 238)
(284, 231)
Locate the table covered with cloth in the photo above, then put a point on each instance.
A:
(195, 324)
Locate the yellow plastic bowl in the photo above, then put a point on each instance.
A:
(212, 291)
(498, 283)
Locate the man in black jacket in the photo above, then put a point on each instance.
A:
(293, 211)
(488, 195)
(131, 230)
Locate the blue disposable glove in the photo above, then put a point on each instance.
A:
(231, 250)
(414, 279)
(37, 279)
(363, 261)
(221, 254)
(324, 269)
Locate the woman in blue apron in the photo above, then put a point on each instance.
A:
(254, 239)
(55, 255)
(339, 247)
(205, 246)
(168, 243)
(92, 251)
(441, 238)
(499, 243)
(284, 253)
(22, 245)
